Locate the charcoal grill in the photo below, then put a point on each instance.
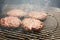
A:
(49, 32)
(18, 33)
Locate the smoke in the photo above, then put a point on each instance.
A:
(46, 6)
(32, 5)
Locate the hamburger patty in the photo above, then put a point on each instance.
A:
(37, 15)
(15, 12)
(30, 24)
(10, 21)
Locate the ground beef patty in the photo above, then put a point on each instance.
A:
(30, 24)
(10, 21)
(17, 13)
(37, 15)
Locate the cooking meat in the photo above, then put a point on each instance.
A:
(37, 15)
(10, 21)
(30, 24)
(17, 13)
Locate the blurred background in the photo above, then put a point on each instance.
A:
(54, 3)
(46, 3)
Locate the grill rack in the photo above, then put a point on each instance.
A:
(56, 32)
(13, 34)
(18, 35)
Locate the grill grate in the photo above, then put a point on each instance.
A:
(56, 34)
(18, 35)
(44, 34)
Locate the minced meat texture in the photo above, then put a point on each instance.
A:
(30, 24)
(17, 13)
(10, 21)
(37, 15)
